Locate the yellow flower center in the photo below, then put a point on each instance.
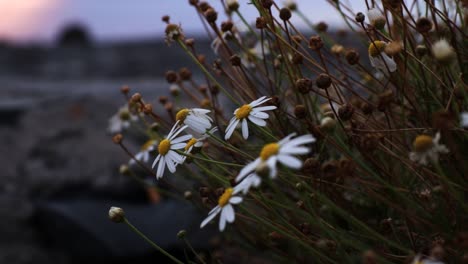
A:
(243, 111)
(224, 198)
(269, 150)
(182, 114)
(164, 146)
(376, 47)
(422, 143)
(148, 144)
(190, 143)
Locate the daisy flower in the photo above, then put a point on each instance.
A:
(251, 112)
(464, 119)
(198, 142)
(121, 120)
(146, 149)
(225, 202)
(427, 147)
(167, 154)
(195, 118)
(282, 151)
(379, 59)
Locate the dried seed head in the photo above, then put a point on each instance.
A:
(235, 60)
(360, 17)
(117, 138)
(297, 39)
(337, 49)
(204, 6)
(193, 2)
(315, 43)
(226, 26)
(393, 48)
(185, 74)
(352, 56)
(174, 89)
(190, 42)
(165, 18)
(116, 214)
(169, 106)
(173, 32)
(300, 111)
(203, 88)
(267, 3)
(443, 51)
(311, 165)
(321, 27)
(136, 97)
(201, 58)
(171, 76)
(163, 99)
(304, 85)
(385, 99)
(285, 14)
(232, 5)
(423, 25)
(345, 112)
(205, 103)
(211, 15)
(366, 108)
(323, 81)
(260, 23)
(297, 58)
(125, 89)
(147, 109)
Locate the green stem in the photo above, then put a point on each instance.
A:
(138, 232)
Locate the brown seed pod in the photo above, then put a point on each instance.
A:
(211, 15)
(423, 25)
(345, 112)
(315, 43)
(285, 14)
(352, 56)
(300, 111)
(171, 76)
(304, 85)
(323, 81)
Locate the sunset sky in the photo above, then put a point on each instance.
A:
(24, 21)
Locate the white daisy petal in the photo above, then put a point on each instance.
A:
(259, 114)
(161, 166)
(235, 200)
(229, 213)
(179, 146)
(210, 217)
(222, 220)
(156, 161)
(181, 139)
(257, 121)
(290, 161)
(294, 151)
(247, 169)
(264, 108)
(245, 129)
(230, 129)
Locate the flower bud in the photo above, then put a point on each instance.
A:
(185, 74)
(181, 234)
(232, 5)
(300, 111)
(423, 25)
(125, 89)
(442, 51)
(226, 26)
(116, 214)
(136, 97)
(285, 14)
(327, 123)
(171, 76)
(124, 170)
(315, 43)
(147, 109)
(352, 56)
(117, 138)
(260, 23)
(323, 81)
(360, 17)
(304, 85)
(321, 27)
(211, 15)
(174, 89)
(165, 18)
(291, 5)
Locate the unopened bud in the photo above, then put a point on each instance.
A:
(315, 43)
(116, 214)
(171, 76)
(285, 14)
(423, 25)
(136, 97)
(211, 15)
(124, 170)
(181, 234)
(117, 138)
(323, 81)
(360, 17)
(352, 56)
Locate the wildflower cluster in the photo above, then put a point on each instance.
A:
(308, 149)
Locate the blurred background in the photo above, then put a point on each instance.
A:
(62, 63)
